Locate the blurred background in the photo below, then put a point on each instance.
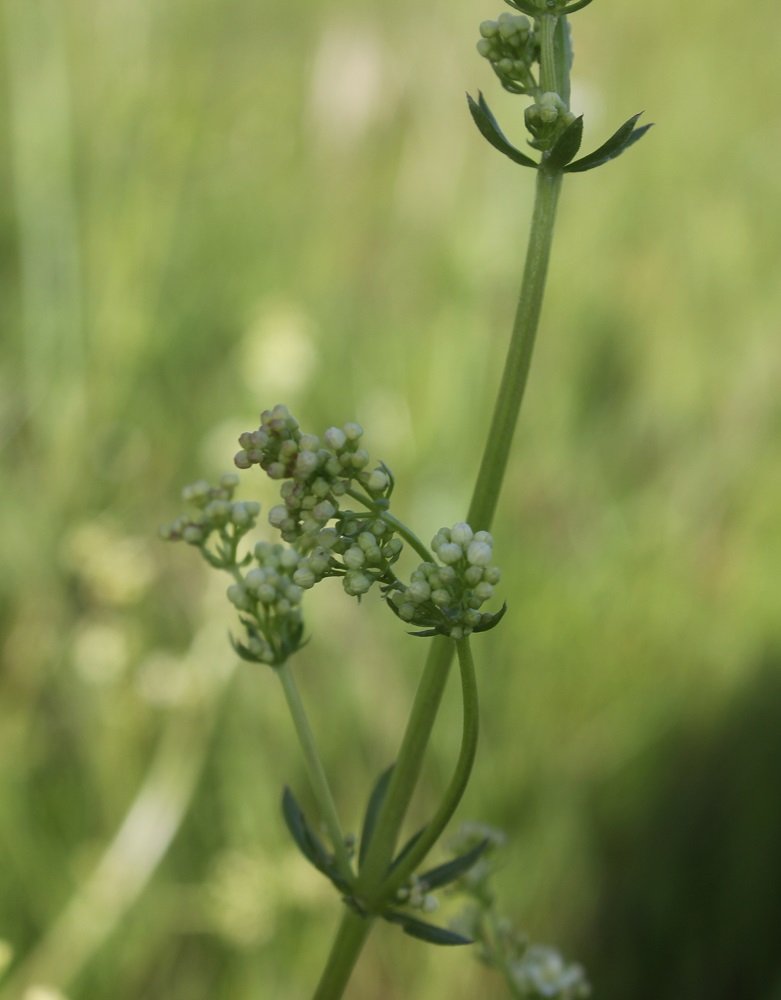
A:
(207, 208)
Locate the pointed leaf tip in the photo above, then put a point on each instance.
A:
(489, 128)
(619, 142)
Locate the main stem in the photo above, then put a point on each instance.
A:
(349, 941)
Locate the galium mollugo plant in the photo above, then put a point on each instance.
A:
(334, 519)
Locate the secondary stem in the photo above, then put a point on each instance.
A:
(315, 770)
(458, 782)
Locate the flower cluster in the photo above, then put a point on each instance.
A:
(316, 473)
(269, 599)
(445, 597)
(358, 546)
(214, 512)
(511, 47)
(541, 973)
(536, 971)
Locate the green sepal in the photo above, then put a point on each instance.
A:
(406, 849)
(242, 651)
(620, 141)
(487, 621)
(489, 128)
(525, 6)
(307, 841)
(435, 878)
(426, 932)
(566, 147)
(578, 5)
(373, 807)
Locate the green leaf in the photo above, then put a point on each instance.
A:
(451, 870)
(621, 140)
(488, 621)
(578, 5)
(566, 146)
(489, 128)
(308, 843)
(373, 807)
(426, 932)
(242, 651)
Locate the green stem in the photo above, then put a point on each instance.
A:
(458, 782)
(315, 769)
(481, 512)
(398, 526)
(350, 938)
(519, 355)
(548, 76)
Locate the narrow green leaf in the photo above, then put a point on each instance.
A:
(425, 932)
(488, 621)
(308, 842)
(566, 146)
(451, 870)
(489, 129)
(373, 807)
(578, 5)
(622, 139)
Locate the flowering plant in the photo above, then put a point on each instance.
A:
(334, 519)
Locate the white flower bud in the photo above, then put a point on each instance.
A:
(461, 533)
(267, 593)
(441, 598)
(488, 28)
(419, 591)
(306, 463)
(254, 580)
(241, 460)
(304, 577)
(192, 534)
(238, 597)
(359, 459)
(353, 431)
(335, 438)
(450, 553)
(484, 591)
(288, 558)
(473, 575)
(324, 511)
(277, 516)
(354, 557)
(492, 574)
(229, 480)
(479, 553)
(377, 481)
(356, 583)
(309, 442)
(276, 470)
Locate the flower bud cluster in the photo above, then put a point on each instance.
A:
(542, 973)
(445, 597)
(546, 119)
(537, 972)
(415, 894)
(213, 511)
(511, 47)
(316, 472)
(269, 598)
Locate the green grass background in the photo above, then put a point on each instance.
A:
(208, 207)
